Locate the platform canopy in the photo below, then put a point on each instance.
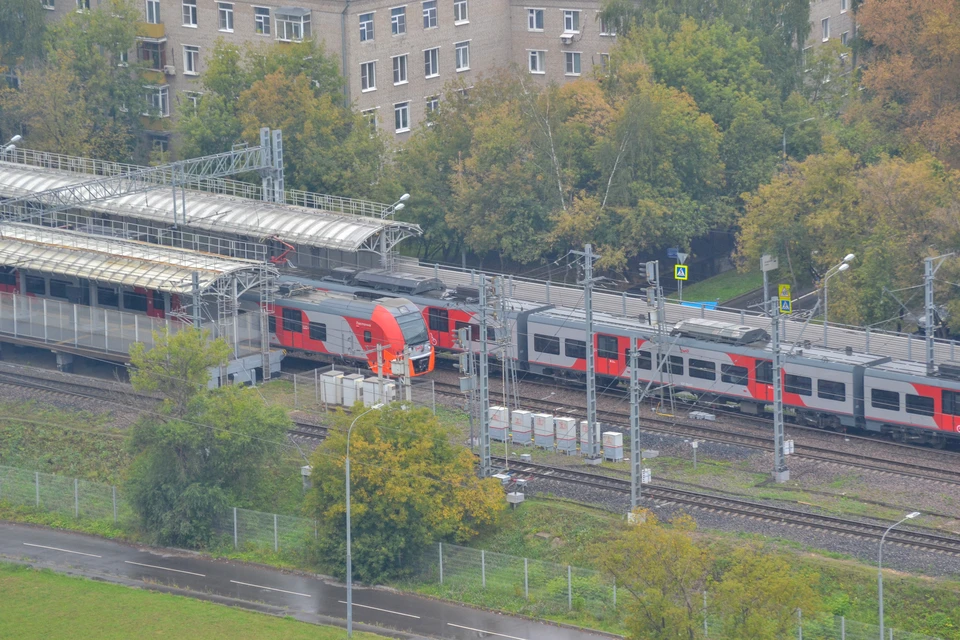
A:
(121, 262)
(332, 225)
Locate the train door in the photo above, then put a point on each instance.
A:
(608, 355)
(763, 380)
(155, 307)
(290, 331)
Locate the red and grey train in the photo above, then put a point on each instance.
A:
(827, 388)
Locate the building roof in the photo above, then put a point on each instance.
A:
(115, 261)
(220, 214)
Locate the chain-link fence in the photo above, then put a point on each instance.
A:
(840, 628)
(69, 496)
(509, 582)
(256, 530)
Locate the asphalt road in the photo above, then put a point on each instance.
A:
(265, 589)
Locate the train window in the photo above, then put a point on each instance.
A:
(491, 334)
(644, 359)
(474, 329)
(546, 344)
(36, 284)
(107, 297)
(133, 301)
(800, 385)
(367, 336)
(732, 374)
(58, 289)
(607, 347)
(703, 369)
(8, 276)
(830, 390)
(919, 405)
(764, 371)
(439, 319)
(675, 365)
(272, 322)
(292, 320)
(574, 348)
(881, 399)
(951, 402)
(318, 331)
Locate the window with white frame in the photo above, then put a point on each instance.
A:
(571, 21)
(261, 20)
(844, 38)
(605, 63)
(398, 21)
(534, 19)
(429, 14)
(431, 62)
(607, 28)
(293, 27)
(153, 11)
(537, 59)
(191, 60)
(158, 101)
(400, 69)
(192, 99)
(572, 63)
(123, 59)
(225, 10)
(48, 4)
(401, 116)
(368, 76)
(153, 53)
(433, 104)
(83, 4)
(370, 115)
(189, 13)
(843, 6)
(463, 55)
(460, 12)
(825, 29)
(366, 27)
(805, 58)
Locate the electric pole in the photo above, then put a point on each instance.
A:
(592, 455)
(486, 468)
(780, 471)
(930, 268)
(636, 454)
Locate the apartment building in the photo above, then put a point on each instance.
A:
(397, 56)
(830, 20)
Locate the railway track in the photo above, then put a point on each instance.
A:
(94, 389)
(745, 508)
(620, 421)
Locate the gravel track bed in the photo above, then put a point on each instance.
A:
(894, 556)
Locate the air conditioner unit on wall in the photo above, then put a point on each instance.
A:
(170, 70)
(566, 38)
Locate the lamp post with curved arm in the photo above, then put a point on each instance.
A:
(10, 146)
(349, 554)
(832, 271)
(909, 516)
(389, 211)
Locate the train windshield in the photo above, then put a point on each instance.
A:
(413, 327)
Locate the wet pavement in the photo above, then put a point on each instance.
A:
(264, 589)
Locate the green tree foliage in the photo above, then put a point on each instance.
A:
(22, 28)
(410, 486)
(204, 451)
(328, 147)
(80, 101)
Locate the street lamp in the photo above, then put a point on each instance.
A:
(10, 146)
(349, 555)
(832, 271)
(396, 206)
(793, 124)
(385, 261)
(909, 516)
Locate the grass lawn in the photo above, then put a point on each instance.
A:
(723, 287)
(44, 604)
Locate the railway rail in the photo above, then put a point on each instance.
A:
(745, 508)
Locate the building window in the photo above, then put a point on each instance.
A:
(843, 6)
(844, 37)
(153, 11)
(158, 101)
(605, 63)
(123, 59)
(48, 4)
(401, 117)
(463, 56)
(433, 104)
(400, 69)
(191, 60)
(572, 63)
(429, 14)
(398, 21)
(825, 29)
(571, 21)
(460, 12)
(371, 117)
(537, 61)
(192, 99)
(152, 53)
(226, 16)
(431, 63)
(189, 13)
(293, 27)
(549, 345)
(261, 20)
(366, 27)
(534, 19)
(368, 76)
(607, 28)
(83, 4)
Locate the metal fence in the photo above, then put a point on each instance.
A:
(80, 499)
(503, 581)
(252, 530)
(840, 628)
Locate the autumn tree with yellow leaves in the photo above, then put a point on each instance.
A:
(411, 486)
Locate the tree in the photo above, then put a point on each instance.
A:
(21, 32)
(663, 572)
(177, 367)
(410, 486)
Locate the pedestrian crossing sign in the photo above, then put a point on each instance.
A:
(680, 272)
(783, 291)
(786, 306)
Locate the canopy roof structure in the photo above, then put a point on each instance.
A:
(121, 262)
(228, 215)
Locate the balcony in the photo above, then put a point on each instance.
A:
(147, 30)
